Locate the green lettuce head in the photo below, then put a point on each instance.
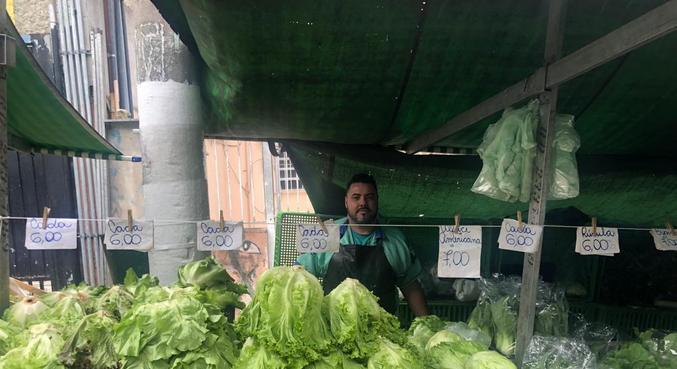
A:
(357, 321)
(286, 314)
(489, 360)
(393, 356)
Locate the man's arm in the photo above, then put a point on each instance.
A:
(416, 298)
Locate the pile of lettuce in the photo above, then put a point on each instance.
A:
(138, 325)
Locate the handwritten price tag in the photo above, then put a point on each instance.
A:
(603, 242)
(59, 234)
(212, 237)
(526, 239)
(120, 237)
(311, 238)
(460, 252)
(664, 239)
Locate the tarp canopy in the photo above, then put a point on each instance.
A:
(40, 118)
(382, 72)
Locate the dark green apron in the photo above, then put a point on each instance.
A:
(369, 265)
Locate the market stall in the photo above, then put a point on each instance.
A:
(330, 71)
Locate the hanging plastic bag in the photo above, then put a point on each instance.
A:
(508, 151)
(564, 181)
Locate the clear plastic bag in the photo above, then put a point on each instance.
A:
(508, 150)
(467, 289)
(469, 334)
(558, 353)
(564, 181)
(599, 337)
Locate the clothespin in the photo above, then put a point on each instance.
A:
(594, 226)
(130, 219)
(519, 220)
(668, 225)
(324, 227)
(222, 223)
(457, 222)
(45, 216)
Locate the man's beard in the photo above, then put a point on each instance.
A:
(368, 218)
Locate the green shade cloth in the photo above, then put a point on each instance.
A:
(325, 71)
(366, 74)
(39, 117)
(617, 190)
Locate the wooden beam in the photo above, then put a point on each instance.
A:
(4, 190)
(649, 27)
(540, 182)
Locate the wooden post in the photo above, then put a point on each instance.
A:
(540, 182)
(4, 191)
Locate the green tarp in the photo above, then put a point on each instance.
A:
(39, 117)
(381, 72)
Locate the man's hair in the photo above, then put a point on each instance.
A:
(362, 178)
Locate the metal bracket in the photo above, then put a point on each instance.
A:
(7, 50)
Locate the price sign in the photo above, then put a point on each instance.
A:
(120, 237)
(460, 252)
(212, 237)
(604, 241)
(59, 234)
(526, 238)
(311, 238)
(665, 239)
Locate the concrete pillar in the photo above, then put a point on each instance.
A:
(170, 124)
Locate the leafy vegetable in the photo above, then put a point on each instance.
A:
(469, 334)
(480, 318)
(40, 352)
(631, 356)
(504, 316)
(393, 356)
(25, 312)
(489, 360)
(256, 356)
(207, 273)
(91, 345)
(116, 301)
(421, 329)
(441, 337)
(10, 337)
(335, 360)
(357, 321)
(285, 315)
(137, 286)
(452, 355)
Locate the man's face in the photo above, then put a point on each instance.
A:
(362, 203)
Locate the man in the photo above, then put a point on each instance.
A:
(376, 256)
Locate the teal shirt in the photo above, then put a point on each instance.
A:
(401, 259)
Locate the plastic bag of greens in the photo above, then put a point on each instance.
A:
(558, 353)
(552, 311)
(507, 153)
(564, 182)
(598, 336)
(469, 334)
(662, 345)
(504, 305)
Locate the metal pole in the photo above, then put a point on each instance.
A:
(4, 190)
(540, 182)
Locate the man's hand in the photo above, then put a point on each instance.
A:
(416, 299)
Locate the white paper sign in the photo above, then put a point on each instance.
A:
(664, 239)
(120, 237)
(603, 242)
(59, 234)
(212, 237)
(526, 239)
(460, 252)
(311, 238)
